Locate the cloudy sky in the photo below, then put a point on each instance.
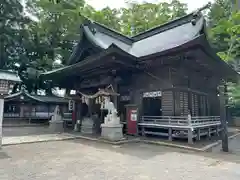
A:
(99, 4)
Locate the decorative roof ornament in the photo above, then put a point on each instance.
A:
(198, 13)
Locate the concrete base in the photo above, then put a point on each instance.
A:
(56, 126)
(112, 132)
(236, 121)
(87, 126)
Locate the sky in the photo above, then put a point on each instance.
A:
(99, 4)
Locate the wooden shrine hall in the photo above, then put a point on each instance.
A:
(167, 77)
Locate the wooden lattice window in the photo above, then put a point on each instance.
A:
(181, 103)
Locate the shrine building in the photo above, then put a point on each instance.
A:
(163, 75)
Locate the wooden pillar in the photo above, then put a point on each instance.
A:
(21, 110)
(115, 88)
(75, 116)
(198, 134)
(170, 134)
(209, 133)
(217, 130)
(223, 117)
(190, 136)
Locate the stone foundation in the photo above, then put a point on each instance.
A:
(56, 126)
(112, 132)
(87, 126)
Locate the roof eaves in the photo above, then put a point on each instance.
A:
(91, 38)
(34, 98)
(112, 48)
(206, 47)
(12, 95)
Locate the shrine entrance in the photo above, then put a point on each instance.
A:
(152, 103)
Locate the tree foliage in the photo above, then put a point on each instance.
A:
(13, 32)
(225, 30)
(57, 27)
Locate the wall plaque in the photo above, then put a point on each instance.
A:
(152, 94)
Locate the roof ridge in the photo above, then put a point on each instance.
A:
(160, 28)
(8, 71)
(89, 21)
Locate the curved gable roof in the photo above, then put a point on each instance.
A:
(152, 41)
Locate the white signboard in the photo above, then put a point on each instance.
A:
(152, 94)
(133, 117)
(71, 105)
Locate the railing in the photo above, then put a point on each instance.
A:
(205, 120)
(10, 115)
(35, 115)
(166, 120)
(181, 120)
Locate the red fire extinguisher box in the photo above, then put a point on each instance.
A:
(132, 119)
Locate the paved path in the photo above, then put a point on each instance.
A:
(35, 138)
(85, 160)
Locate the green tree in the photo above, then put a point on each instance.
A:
(13, 24)
(218, 16)
(232, 28)
(224, 26)
(57, 27)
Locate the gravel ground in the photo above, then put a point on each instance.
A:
(80, 160)
(24, 131)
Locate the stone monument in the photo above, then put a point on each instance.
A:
(1, 118)
(56, 123)
(111, 128)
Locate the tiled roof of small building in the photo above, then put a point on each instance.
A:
(44, 99)
(8, 75)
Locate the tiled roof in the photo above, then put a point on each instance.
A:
(45, 99)
(8, 75)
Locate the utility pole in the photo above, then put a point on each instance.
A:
(1, 118)
(223, 116)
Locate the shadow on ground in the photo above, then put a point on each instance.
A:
(3, 155)
(149, 151)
